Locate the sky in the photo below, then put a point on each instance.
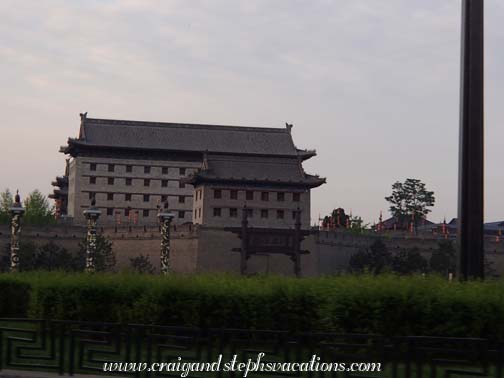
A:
(373, 86)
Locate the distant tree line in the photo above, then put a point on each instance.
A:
(377, 259)
(38, 210)
(53, 257)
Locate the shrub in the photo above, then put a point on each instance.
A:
(383, 304)
(105, 260)
(141, 264)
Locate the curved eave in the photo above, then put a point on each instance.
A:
(309, 183)
(75, 146)
(306, 154)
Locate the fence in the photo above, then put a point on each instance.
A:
(68, 347)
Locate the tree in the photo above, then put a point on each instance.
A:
(27, 252)
(141, 264)
(375, 259)
(408, 261)
(6, 201)
(38, 210)
(105, 259)
(51, 256)
(443, 259)
(490, 271)
(357, 225)
(410, 201)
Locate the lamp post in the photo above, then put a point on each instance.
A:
(92, 214)
(471, 162)
(16, 212)
(165, 218)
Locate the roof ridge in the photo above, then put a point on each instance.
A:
(185, 125)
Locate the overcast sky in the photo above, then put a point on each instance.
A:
(372, 85)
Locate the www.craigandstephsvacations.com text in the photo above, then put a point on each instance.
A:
(259, 364)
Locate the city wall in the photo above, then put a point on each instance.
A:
(203, 249)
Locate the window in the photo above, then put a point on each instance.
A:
(250, 195)
(110, 211)
(280, 196)
(127, 212)
(181, 214)
(199, 213)
(234, 194)
(296, 197)
(181, 199)
(92, 167)
(280, 214)
(250, 213)
(127, 197)
(91, 195)
(264, 196)
(164, 183)
(182, 171)
(128, 182)
(110, 196)
(111, 167)
(145, 213)
(146, 182)
(216, 212)
(264, 213)
(294, 214)
(164, 170)
(92, 180)
(195, 213)
(129, 168)
(233, 212)
(146, 169)
(146, 198)
(181, 185)
(110, 181)
(217, 193)
(164, 198)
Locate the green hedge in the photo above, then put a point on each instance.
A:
(388, 305)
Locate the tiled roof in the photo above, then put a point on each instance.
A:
(186, 137)
(255, 169)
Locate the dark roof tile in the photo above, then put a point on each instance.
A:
(187, 137)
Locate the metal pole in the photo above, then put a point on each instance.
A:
(92, 214)
(165, 219)
(471, 163)
(16, 212)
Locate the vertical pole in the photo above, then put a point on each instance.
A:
(471, 163)
(297, 244)
(244, 242)
(165, 218)
(90, 245)
(16, 212)
(14, 245)
(165, 245)
(92, 214)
